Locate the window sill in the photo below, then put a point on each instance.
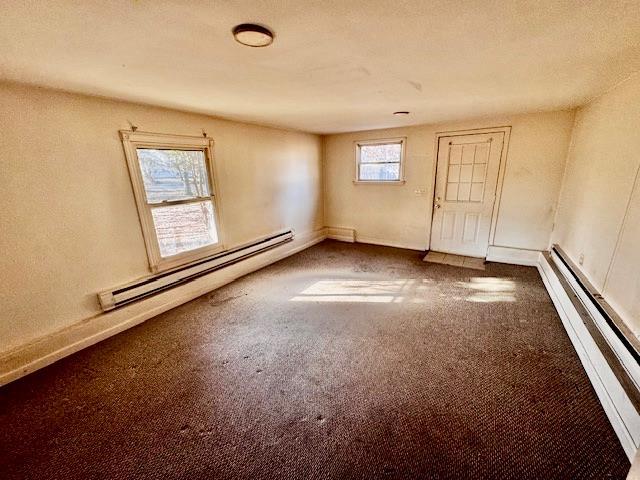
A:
(379, 182)
(184, 259)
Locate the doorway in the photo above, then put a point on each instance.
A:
(467, 171)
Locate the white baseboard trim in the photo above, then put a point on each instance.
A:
(616, 403)
(388, 243)
(342, 234)
(513, 256)
(346, 234)
(46, 350)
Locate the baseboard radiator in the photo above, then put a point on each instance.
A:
(114, 298)
(607, 348)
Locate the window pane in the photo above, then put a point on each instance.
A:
(184, 227)
(387, 152)
(173, 174)
(381, 172)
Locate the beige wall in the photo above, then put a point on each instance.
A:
(599, 213)
(397, 215)
(69, 226)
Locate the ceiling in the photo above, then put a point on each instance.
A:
(335, 65)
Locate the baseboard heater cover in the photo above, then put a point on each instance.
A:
(623, 341)
(132, 292)
(607, 348)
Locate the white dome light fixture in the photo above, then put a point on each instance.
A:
(253, 35)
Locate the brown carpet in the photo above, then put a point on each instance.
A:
(344, 361)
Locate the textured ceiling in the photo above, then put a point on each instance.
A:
(335, 65)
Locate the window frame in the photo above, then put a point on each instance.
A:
(131, 141)
(383, 141)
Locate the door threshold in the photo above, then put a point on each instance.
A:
(455, 260)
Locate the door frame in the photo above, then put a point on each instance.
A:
(506, 130)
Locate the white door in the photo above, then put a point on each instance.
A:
(466, 179)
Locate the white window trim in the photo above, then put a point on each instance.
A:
(133, 140)
(401, 181)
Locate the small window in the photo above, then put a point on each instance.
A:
(380, 161)
(173, 182)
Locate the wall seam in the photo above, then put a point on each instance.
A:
(621, 229)
(570, 149)
(323, 177)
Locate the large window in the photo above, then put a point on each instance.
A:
(380, 161)
(173, 182)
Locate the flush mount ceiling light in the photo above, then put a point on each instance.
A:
(402, 112)
(253, 35)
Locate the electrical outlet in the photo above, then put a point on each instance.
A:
(581, 259)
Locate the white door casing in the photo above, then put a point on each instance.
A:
(465, 192)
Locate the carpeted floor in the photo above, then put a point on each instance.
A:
(344, 361)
